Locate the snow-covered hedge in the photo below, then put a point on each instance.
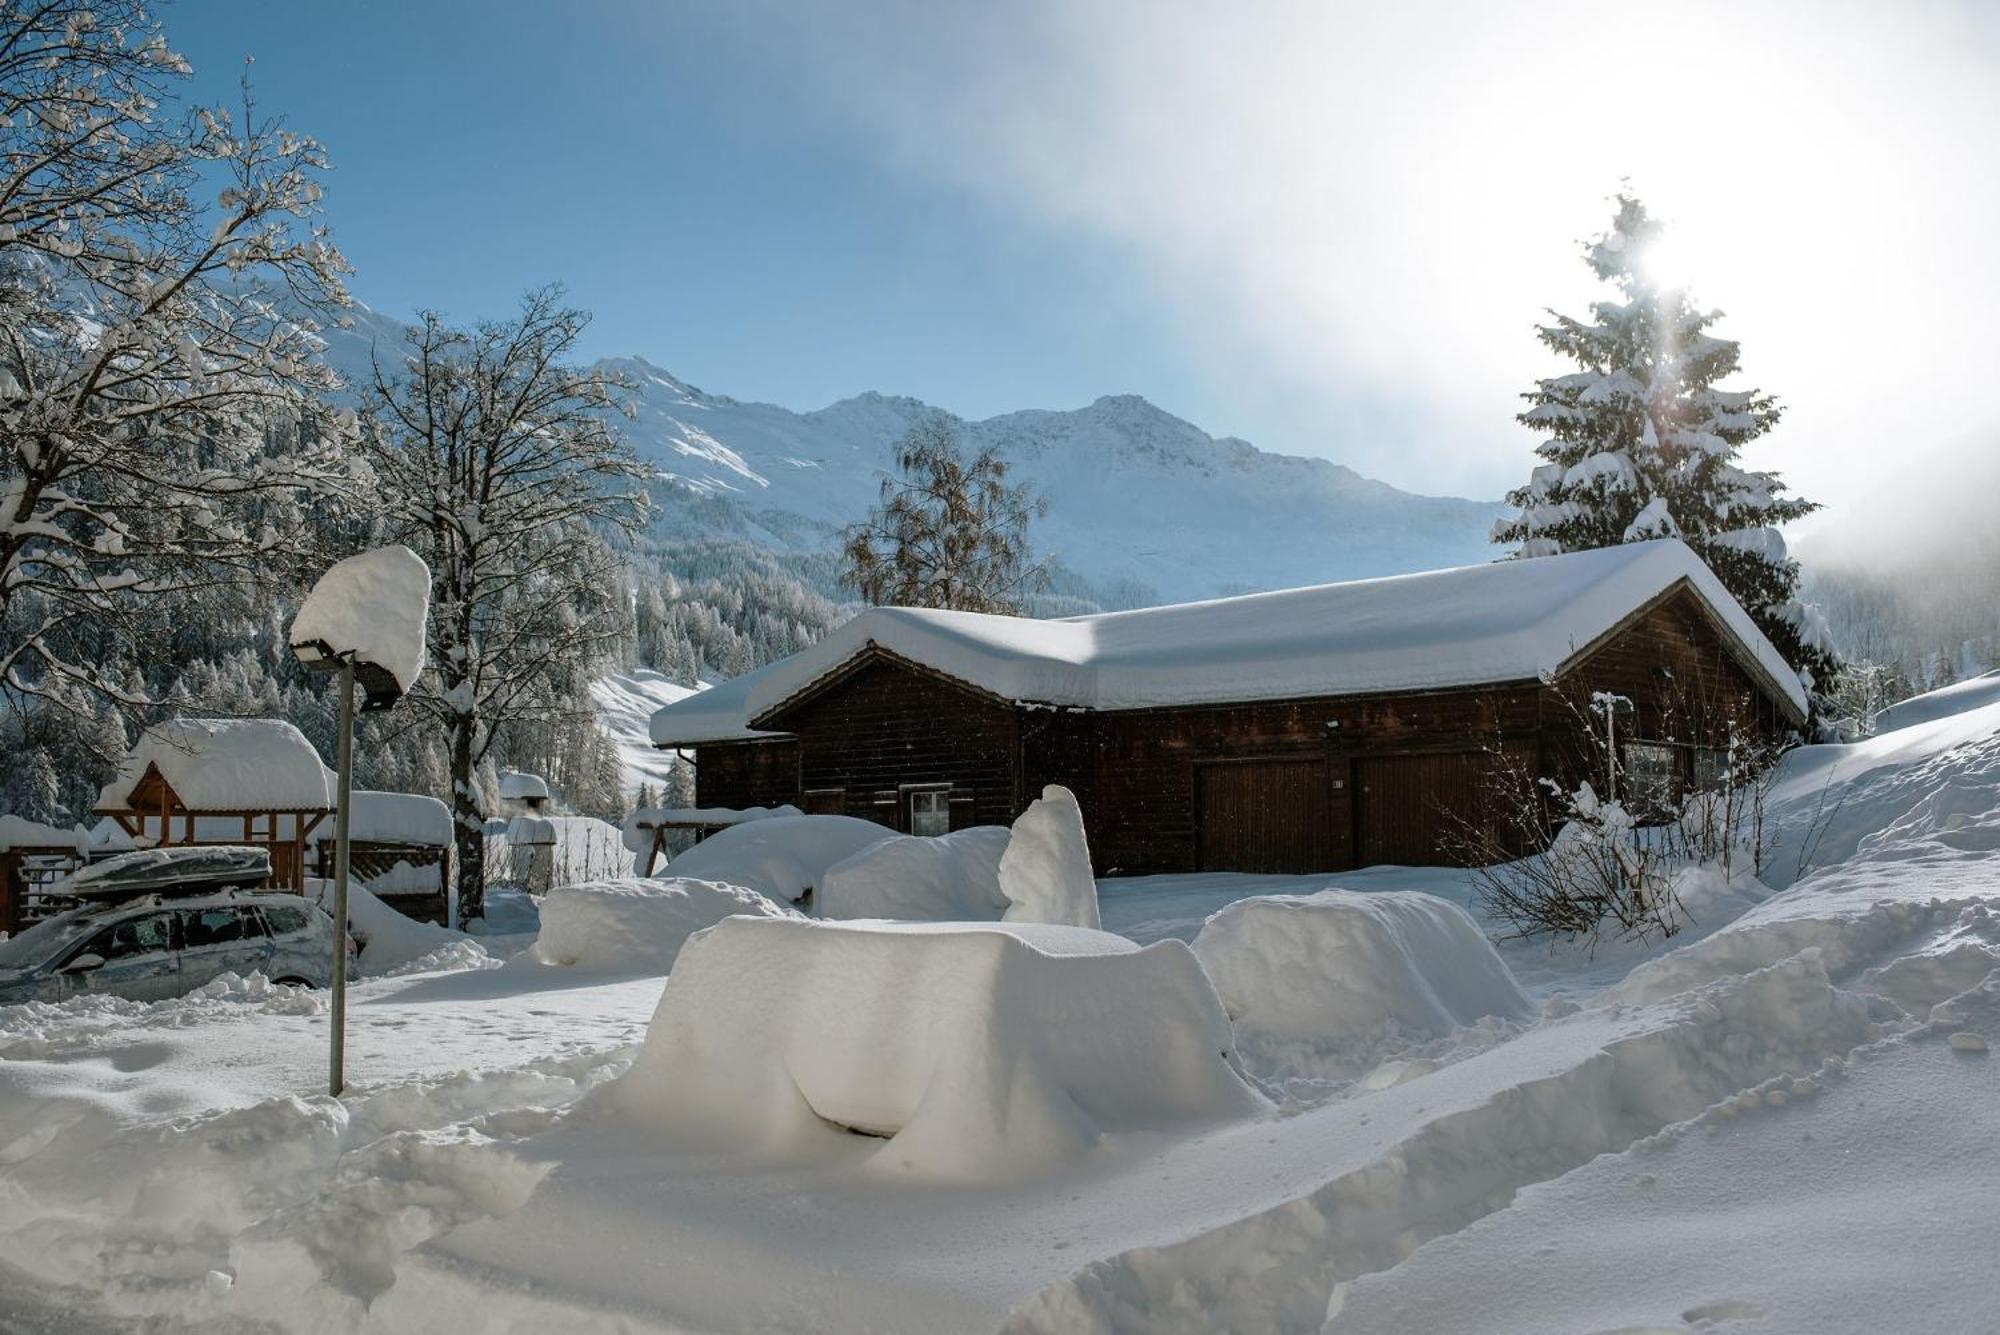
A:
(943, 878)
(1337, 974)
(980, 1051)
(635, 925)
(780, 857)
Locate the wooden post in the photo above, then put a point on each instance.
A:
(13, 890)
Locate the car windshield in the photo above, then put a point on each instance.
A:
(38, 944)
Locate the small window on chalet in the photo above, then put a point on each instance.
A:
(930, 811)
(1650, 771)
(1711, 769)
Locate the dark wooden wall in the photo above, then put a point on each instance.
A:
(762, 773)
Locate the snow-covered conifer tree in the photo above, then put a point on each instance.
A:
(1643, 443)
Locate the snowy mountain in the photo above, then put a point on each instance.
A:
(1142, 505)
(623, 704)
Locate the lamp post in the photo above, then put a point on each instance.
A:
(364, 622)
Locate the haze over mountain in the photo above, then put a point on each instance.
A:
(1142, 506)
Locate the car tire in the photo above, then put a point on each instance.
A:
(293, 980)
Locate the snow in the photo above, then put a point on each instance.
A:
(976, 1052)
(623, 704)
(1518, 620)
(20, 832)
(938, 878)
(1957, 698)
(518, 787)
(1045, 872)
(392, 818)
(228, 765)
(636, 925)
(373, 607)
(387, 939)
(547, 851)
(781, 857)
(1338, 975)
(642, 821)
(1777, 1121)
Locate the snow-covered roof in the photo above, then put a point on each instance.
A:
(1517, 620)
(392, 818)
(228, 765)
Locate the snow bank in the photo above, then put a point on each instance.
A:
(1045, 873)
(1340, 974)
(228, 765)
(780, 858)
(387, 939)
(636, 925)
(941, 878)
(980, 1052)
(1957, 698)
(372, 606)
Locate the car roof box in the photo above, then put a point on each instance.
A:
(197, 870)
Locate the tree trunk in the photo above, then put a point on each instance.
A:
(468, 824)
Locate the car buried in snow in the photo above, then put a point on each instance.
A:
(162, 922)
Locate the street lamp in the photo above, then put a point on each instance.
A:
(364, 620)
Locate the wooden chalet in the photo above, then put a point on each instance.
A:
(224, 781)
(1304, 730)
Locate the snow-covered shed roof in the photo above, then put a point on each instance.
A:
(227, 765)
(519, 786)
(1505, 621)
(392, 818)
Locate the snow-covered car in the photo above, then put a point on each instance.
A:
(156, 925)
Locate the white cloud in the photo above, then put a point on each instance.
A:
(1377, 201)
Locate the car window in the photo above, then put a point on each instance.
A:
(217, 926)
(285, 921)
(135, 936)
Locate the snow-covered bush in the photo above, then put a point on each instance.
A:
(978, 1051)
(782, 858)
(1339, 974)
(941, 878)
(635, 925)
(1045, 872)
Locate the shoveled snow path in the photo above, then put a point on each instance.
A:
(1247, 1227)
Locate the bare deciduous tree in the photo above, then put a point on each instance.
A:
(152, 350)
(949, 532)
(498, 464)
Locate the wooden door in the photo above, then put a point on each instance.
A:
(1267, 816)
(1408, 809)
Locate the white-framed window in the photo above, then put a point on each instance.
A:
(1650, 773)
(930, 810)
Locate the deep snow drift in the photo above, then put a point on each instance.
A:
(979, 1052)
(782, 858)
(1045, 872)
(636, 925)
(943, 878)
(1329, 979)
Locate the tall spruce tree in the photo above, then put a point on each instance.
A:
(1643, 444)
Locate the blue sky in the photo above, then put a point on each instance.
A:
(479, 150)
(1328, 228)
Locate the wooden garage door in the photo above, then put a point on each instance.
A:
(1262, 815)
(1406, 808)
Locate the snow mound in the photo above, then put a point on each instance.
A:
(636, 925)
(1045, 872)
(944, 878)
(373, 606)
(781, 857)
(980, 1052)
(388, 940)
(1957, 698)
(1340, 973)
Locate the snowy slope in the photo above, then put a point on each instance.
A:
(624, 703)
(1136, 495)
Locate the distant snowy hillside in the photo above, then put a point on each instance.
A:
(624, 703)
(1142, 505)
